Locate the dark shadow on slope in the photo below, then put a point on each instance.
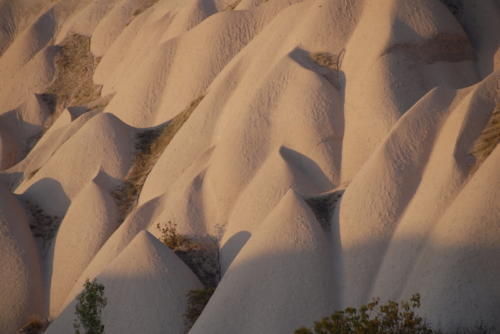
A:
(451, 299)
(328, 66)
(284, 293)
(454, 296)
(16, 137)
(232, 247)
(47, 202)
(442, 47)
(335, 240)
(10, 179)
(208, 6)
(323, 206)
(308, 176)
(49, 195)
(325, 64)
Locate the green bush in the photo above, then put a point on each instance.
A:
(89, 308)
(373, 318)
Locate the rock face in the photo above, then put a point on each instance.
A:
(21, 290)
(408, 191)
(145, 287)
(287, 260)
(325, 151)
(91, 219)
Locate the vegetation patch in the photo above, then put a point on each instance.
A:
(74, 69)
(171, 238)
(150, 144)
(197, 300)
(203, 259)
(376, 318)
(488, 139)
(323, 206)
(90, 303)
(331, 63)
(373, 318)
(325, 59)
(73, 83)
(43, 225)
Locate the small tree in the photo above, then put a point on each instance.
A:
(89, 307)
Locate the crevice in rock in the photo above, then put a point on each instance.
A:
(43, 226)
(149, 146)
(488, 139)
(72, 84)
(323, 206)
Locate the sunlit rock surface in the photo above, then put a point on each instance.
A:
(325, 152)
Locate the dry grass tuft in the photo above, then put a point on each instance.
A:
(73, 81)
(488, 139)
(202, 257)
(73, 84)
(325, 59)
(42, 225)
(331, 65)
(149, 146)
(172, 239)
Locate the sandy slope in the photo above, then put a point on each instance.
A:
(268, 111)
(21, 290)
(151, 275)
(95, 207)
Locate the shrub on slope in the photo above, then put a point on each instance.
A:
(202, 260)
(389, 318)
(89, 307)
